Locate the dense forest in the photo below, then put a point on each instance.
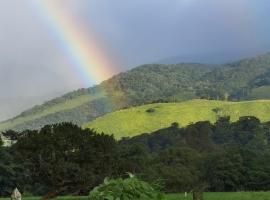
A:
(242, 80)
(65, 159)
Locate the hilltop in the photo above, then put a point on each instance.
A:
(152, 117)
(247, 79)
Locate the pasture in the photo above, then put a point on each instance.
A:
(149, 118)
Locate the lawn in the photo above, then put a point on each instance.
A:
(225, 196)
(207, 196)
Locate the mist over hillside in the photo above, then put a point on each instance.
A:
(12, 106)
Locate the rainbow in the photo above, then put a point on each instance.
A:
(87, 57)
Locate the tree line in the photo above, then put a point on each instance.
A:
(64, 159)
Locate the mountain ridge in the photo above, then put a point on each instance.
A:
(242, 80)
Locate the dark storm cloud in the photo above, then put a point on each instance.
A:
(33, 68)
(145, 31)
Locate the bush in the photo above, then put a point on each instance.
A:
(150, 110)
(175, 125)
(125, 189)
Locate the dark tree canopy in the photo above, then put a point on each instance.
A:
(66, 159)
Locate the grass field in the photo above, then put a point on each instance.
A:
(225, 196)
(207, 196)
(152, 117)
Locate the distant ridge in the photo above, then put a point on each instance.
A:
(247, 79)
(216, 58)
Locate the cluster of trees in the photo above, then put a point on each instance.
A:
(65, 159)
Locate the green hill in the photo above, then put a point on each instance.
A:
(152, 117)
(247, 79)
(123, 90)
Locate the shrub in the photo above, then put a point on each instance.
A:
(125, 189)
(150, 110)
(175, 125)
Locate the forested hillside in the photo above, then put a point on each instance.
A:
(242, 80)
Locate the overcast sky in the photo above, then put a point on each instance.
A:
(33, 67)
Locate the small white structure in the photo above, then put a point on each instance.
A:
(7, 142)
(16, 195)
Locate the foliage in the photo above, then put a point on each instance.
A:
(150, 110)
(181, 196)
(246, 79)
(125, 189)
(65, 159)
(1, 142)
(11, 173)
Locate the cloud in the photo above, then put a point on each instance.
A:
(135, 32)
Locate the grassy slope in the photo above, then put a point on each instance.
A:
(207, 196)
(136, 120)
(66, 105)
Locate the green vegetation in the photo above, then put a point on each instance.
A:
(207, 195)
(244, 80)
(65, 159)
(262, 92)
(57, 198)
(58, 107)
(125, 189)
(152, 117)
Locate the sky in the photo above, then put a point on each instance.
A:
(36, 64)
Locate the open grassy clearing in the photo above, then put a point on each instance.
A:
(225, 196)
(152, 117)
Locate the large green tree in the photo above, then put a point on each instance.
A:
(66, 158)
